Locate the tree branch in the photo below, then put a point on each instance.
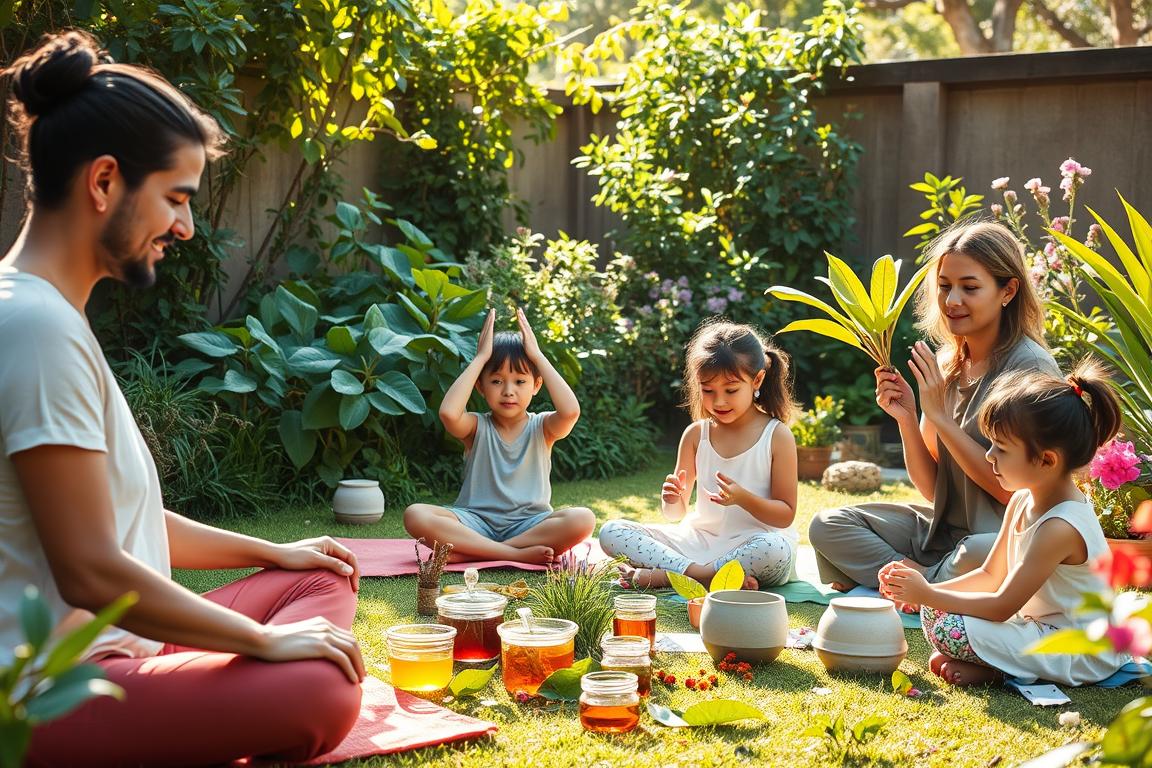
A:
(1057, 25)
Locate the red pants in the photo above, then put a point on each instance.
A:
(191, 707)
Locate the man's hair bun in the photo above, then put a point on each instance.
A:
(54, 72)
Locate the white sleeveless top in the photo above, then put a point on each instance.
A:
(710, 530)
(1054, 606)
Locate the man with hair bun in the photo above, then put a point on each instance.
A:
(113, 155)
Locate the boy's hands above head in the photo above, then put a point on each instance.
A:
(487, 331)
(531, 346)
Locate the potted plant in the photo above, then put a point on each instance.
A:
(1119, 484)
(730, 576)
(817, 430)
(867, 316)
(861, 426)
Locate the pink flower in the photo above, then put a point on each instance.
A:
(1093, 238)
(955, 634)
(1060, 223)
(1114, 464)
(1050, 250)
(1036, 186)
(1000, 183)
(997, 210)
(1070, 167)
(1010, 197)
(1134, 636)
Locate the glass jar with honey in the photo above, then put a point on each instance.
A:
(635, 617)
(609, 702)
(532, 650)
(629, 654)
(420, 656)
(476, 615)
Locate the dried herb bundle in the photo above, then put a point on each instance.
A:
(430, 569)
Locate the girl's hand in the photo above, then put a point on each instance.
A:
(905, 584)
(930, 380)
(315, 638)
(322, 552)
(728, 492)
(894, 395)
(484, 345)
(675, 488)
(531, 346)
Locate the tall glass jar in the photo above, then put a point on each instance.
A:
(476, 615)
(609, 702)
(529, 654)
(629, 654)
(635, 617)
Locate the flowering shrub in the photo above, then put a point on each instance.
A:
(1122, 476)
(819, 425)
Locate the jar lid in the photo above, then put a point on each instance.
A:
(540, 632)
(634, 602)
(626, 645)
(474, 605)
(609, 682)
(421, 636)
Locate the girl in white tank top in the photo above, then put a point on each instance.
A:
(742, 459)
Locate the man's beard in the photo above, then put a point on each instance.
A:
(116, 240)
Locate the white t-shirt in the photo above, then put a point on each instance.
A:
(56, 389)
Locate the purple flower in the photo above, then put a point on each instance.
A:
(716, 304)
(735, 294)
(1000, 183)
(1060, 223)
(1066, 183)
(682, 282)
(666, 286)
(627, 324)
(1093, 239)
(645, 310)
(685, 296)
(1050, 250)
(653, 292)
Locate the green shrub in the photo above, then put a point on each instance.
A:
(819, 425)
(210, 463)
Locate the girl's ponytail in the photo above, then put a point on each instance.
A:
(776, 389)
(1089, 382)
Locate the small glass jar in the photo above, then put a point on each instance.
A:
(476, 615)
(635, 617)
(609, 702)
(629, 654)
(420, 656)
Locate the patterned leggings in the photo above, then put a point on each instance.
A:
(948, 635)
(767, 556)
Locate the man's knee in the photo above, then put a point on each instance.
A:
(971, 553)
(822, 525)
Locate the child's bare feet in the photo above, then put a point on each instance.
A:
(644, 578)
(751, 583)
(935, 661)
(538, 555)
(841, 587)
(963, 673)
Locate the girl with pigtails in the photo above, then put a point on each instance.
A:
(740, 454)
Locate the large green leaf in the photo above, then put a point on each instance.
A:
(64, 654)
(1069, 641)
(824, 328)
(1135, 268)
(564, 684)
(468, 682)
(895, 310)
(256, 328)
(401, 389)
(354, 409)
(719, 711)
(433, 282)
(1141, 234)
(384, 404)
(312, 360)
(414, 312)
(346, 383)
(300, 315)
(784, 293)
(686, 586)
(851, 294)
(466, 306)
(885, 273)
(1128, 740)
(321, 408)
(1130, 302)
(387, 342)
(299, 443)
(211, 343)
(340, 340)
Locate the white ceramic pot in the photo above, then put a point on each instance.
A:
(358, 501)
(860, 634)
(753, 625)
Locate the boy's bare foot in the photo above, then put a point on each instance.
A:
(538, 555)
(841, 587)
(963, 673)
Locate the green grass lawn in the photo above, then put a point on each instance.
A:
(947, 727)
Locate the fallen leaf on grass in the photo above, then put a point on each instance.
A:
(714, 712)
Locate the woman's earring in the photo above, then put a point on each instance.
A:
(1005, 304)
(756, 395)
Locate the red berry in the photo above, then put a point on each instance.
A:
(670, 679)
(712, 679)
(747, 677)
(690, 683)
(703, 672)
(730, 657)
(702, 685)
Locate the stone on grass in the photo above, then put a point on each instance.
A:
(852, 477)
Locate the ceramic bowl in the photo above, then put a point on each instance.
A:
(753, 625)
(860, 634)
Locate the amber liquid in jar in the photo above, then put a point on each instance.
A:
(609, 719)
(645, 628)
(421, 675)
(643, 675)
(526, 667)
(476, 639)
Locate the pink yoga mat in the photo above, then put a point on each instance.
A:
(397, 557)
(394, 721)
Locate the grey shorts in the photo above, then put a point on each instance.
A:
(498, 529)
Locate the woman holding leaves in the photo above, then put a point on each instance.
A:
(978, 305)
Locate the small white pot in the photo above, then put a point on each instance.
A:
(860, 634)
(358, 501)
(753, 625)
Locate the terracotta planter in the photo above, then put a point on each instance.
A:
(1131, 547)
(695, 606)
(812, 461)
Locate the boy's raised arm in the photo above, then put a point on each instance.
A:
(454, 413)
(559, 424)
